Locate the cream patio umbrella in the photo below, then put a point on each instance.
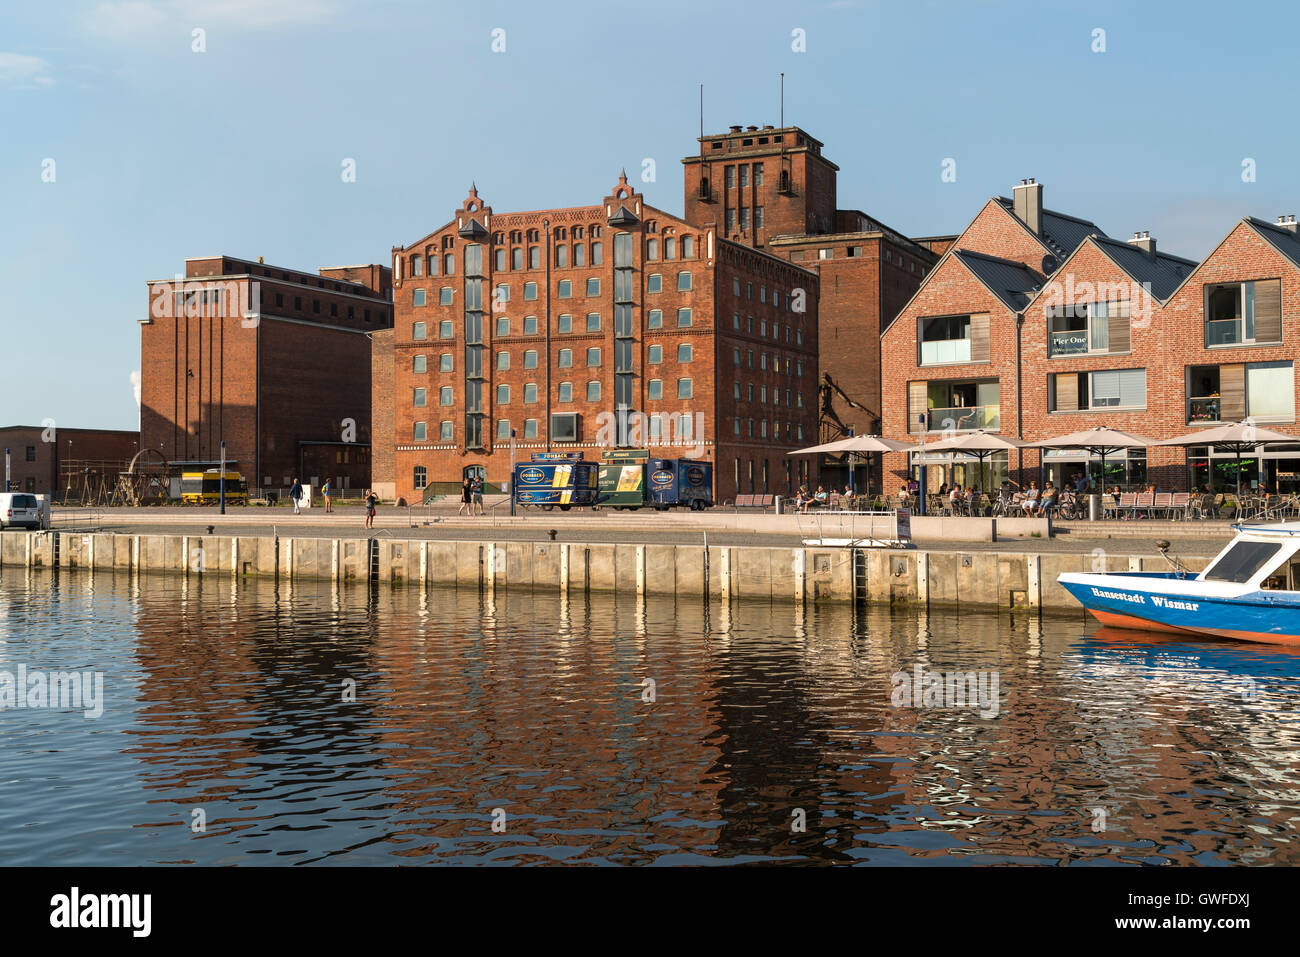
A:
(1100, 441)
(980, 443)
(1237, 437)
(856, 443)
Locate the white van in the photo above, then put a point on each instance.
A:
(19, 510)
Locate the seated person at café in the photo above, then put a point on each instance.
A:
(1030, 501)
(802, 498)
(820, 498)
(1047, 501)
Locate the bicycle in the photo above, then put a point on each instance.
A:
(1068, 507)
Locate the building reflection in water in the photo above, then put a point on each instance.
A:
(535, 704)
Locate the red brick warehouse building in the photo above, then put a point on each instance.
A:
(1037, 324)
(611, 325)
(72, 464)
(774, 190)
(276, 362)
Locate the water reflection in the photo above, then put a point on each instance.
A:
(320, 725)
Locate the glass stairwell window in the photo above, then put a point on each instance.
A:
(945, 339)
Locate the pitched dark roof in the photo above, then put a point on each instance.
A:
(1011, 282)
(1062, 233)
(1283, 240)
(1165, 273)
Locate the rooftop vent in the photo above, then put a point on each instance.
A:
(1288, 223)
(1028, 205)
(1143, 241)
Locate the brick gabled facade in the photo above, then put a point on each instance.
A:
(560, 324)
(1117, 335)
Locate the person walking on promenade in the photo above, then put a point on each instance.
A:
(295, 493)
(371, 501)
(466, 497)
(325, 492)
(477, 489)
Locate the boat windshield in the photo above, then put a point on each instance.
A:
(1240, 563)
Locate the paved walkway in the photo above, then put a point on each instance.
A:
(676, 528)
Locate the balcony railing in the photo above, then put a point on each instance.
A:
(964, 418)
(1223, 332)
(1069, 343)
(945, 350)
(1203, 408)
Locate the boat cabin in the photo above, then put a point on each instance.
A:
(1267, 556)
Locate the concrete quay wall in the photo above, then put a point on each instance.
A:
(956, 577)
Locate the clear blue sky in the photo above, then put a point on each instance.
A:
(162, 153)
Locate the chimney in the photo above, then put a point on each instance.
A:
(735, 129)
(751, 129)
(1143, 241)
(1288, 223)
(1028, 205)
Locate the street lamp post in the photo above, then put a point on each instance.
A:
(6, 470)
(222, 477)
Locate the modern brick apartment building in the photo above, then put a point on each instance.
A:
(616, 324)
(66, 462)
(772, 189)
(276, 362)
(1037, 324)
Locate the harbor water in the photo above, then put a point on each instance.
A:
(249, 722)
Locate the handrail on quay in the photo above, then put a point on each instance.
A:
(76, 517)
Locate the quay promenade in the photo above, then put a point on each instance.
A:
(766, 558)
